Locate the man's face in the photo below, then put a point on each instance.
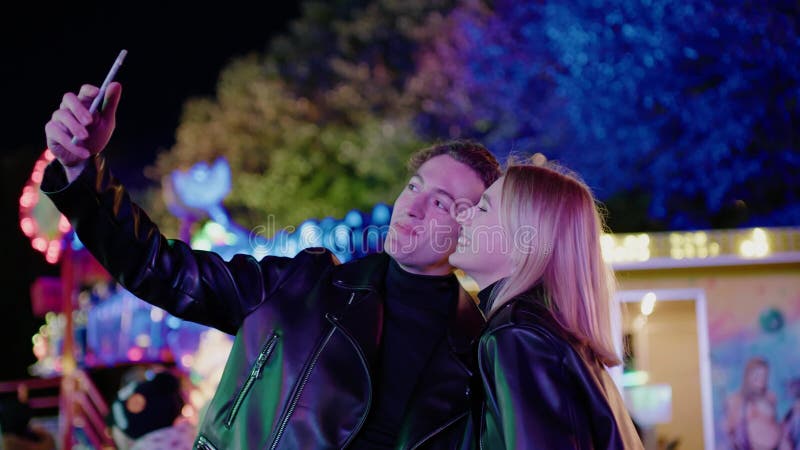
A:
(423, 231)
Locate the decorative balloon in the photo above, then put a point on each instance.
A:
(771, 320)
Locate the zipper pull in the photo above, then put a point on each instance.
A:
(262, 358)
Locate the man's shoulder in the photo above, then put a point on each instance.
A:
(309, 260)
(366, 271)
(318, 255)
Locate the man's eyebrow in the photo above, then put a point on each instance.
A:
(445, 193)
(437, 190)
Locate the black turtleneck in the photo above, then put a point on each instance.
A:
(416, 312)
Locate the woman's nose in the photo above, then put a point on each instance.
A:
(464, 216)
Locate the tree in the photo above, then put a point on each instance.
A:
(288, 165)
(693, 105)
(321, 123)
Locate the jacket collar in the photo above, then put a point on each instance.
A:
(535, 295)
(465, 325)
(369, 273)
(456, 362)
(446, 380)
(528, 308)
(362, 273)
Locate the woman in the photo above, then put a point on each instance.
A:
(750, 420)
(533, 246)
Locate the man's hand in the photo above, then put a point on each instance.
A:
(92, 133)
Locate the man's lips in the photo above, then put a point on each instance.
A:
(404, 228)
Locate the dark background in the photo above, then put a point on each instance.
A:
(175, 51)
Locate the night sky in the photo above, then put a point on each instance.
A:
(175, 51)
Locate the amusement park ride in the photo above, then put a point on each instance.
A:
(92, 323)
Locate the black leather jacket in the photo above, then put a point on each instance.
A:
(542, 389)
(299, 375)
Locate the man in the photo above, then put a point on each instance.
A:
(371, 354)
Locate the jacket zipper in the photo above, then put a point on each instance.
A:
(481, 427)
(296, 397)
(255, 373)
(204, 444)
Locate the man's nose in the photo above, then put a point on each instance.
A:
(416, 208)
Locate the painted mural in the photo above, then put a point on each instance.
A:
(755, 360)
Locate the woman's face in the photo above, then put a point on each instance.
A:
(484, 249)
(757, 378)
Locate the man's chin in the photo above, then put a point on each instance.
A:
(398, 248)
(400, 257)
(400, 251)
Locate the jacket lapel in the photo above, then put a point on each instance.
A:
(442, 396)
(466, 325)
(359, 310)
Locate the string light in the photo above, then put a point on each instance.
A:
(751, 243)
(43, 237)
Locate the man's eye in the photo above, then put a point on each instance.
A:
(441, 205)
(412, 187)
(481, 208)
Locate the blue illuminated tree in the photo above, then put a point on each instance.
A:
(688, 105)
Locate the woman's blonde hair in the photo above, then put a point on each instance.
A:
(555, 225)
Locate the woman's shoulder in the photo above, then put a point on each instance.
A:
(526, 311)
(526, 318)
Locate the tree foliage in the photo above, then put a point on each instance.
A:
(691, 103)
(319, 124)
(288, 165)
(678, 114)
